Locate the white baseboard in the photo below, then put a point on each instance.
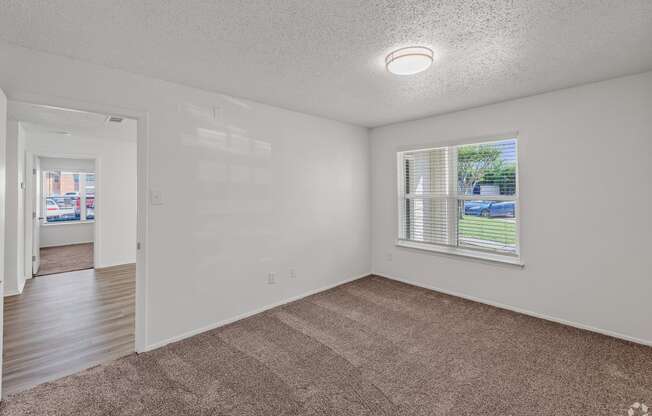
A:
(247, 314)
(74, 243)
(523, 311)
(112, 265)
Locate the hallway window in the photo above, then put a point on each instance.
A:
(68, 196)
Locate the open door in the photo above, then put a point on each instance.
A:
(33, 211)
(3, 148)
(38, 214)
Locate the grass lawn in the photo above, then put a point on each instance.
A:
(500, 230)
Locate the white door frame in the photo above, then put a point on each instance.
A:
(29, 208)
(39, 212)
(142, 221)
(3, 195)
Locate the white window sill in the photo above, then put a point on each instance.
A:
(55, 223)
(456, 251)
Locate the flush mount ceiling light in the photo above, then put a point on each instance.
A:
(410, 60)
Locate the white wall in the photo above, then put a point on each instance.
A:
(64, 234)
(252, 190)
(73, 165)
(116, 202)
(585, 168)
(14, 241)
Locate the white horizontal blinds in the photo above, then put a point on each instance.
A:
(426, 220)
(427, 172)
(465, 196)
(487, 185)
(426, 204)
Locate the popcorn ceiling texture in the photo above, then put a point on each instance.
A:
(372, 347)
(326, 57)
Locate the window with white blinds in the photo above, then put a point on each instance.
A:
(461, 197)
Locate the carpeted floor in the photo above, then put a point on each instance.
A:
(371, 347)
(66, 258)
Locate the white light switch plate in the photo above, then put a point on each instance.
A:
(156, 197)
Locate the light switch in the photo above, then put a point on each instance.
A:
(156, 197)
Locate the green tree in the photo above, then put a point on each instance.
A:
(473, 163)
(503, 175)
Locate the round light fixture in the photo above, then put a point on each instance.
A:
(410, 60)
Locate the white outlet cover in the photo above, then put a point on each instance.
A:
(293, 273)
(271, 278)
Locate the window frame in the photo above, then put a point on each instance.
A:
(453, 195)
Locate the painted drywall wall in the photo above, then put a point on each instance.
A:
(64, 234)
(68, 164)
(115, 230)
(246, 188)
(584, 161)
(15, 210)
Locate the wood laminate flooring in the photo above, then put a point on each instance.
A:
(68, 258)
(67, 322)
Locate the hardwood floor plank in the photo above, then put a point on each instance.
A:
(67, 322)
(66, 258)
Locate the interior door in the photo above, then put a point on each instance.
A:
(37, 215)
(3, 147)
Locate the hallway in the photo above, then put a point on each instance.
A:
(67, 322)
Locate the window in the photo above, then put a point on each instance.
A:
(461, 199)
(69, 196)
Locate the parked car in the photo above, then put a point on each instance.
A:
(59, 209)
(490, 209)
(90, 202)
(53, 212)
(90, 207)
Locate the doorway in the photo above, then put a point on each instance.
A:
(64, 234)
(76, 304)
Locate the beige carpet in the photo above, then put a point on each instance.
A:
(372, 347)
(66, 258)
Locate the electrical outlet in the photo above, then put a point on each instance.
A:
(293, 274)
(388, 256)
(271, 278)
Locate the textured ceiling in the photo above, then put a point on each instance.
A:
(325, 57)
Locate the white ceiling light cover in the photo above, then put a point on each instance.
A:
(410, 60)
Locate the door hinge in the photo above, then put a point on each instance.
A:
(34, 171)
(33, 215)
(137, 246)
(33, 258)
